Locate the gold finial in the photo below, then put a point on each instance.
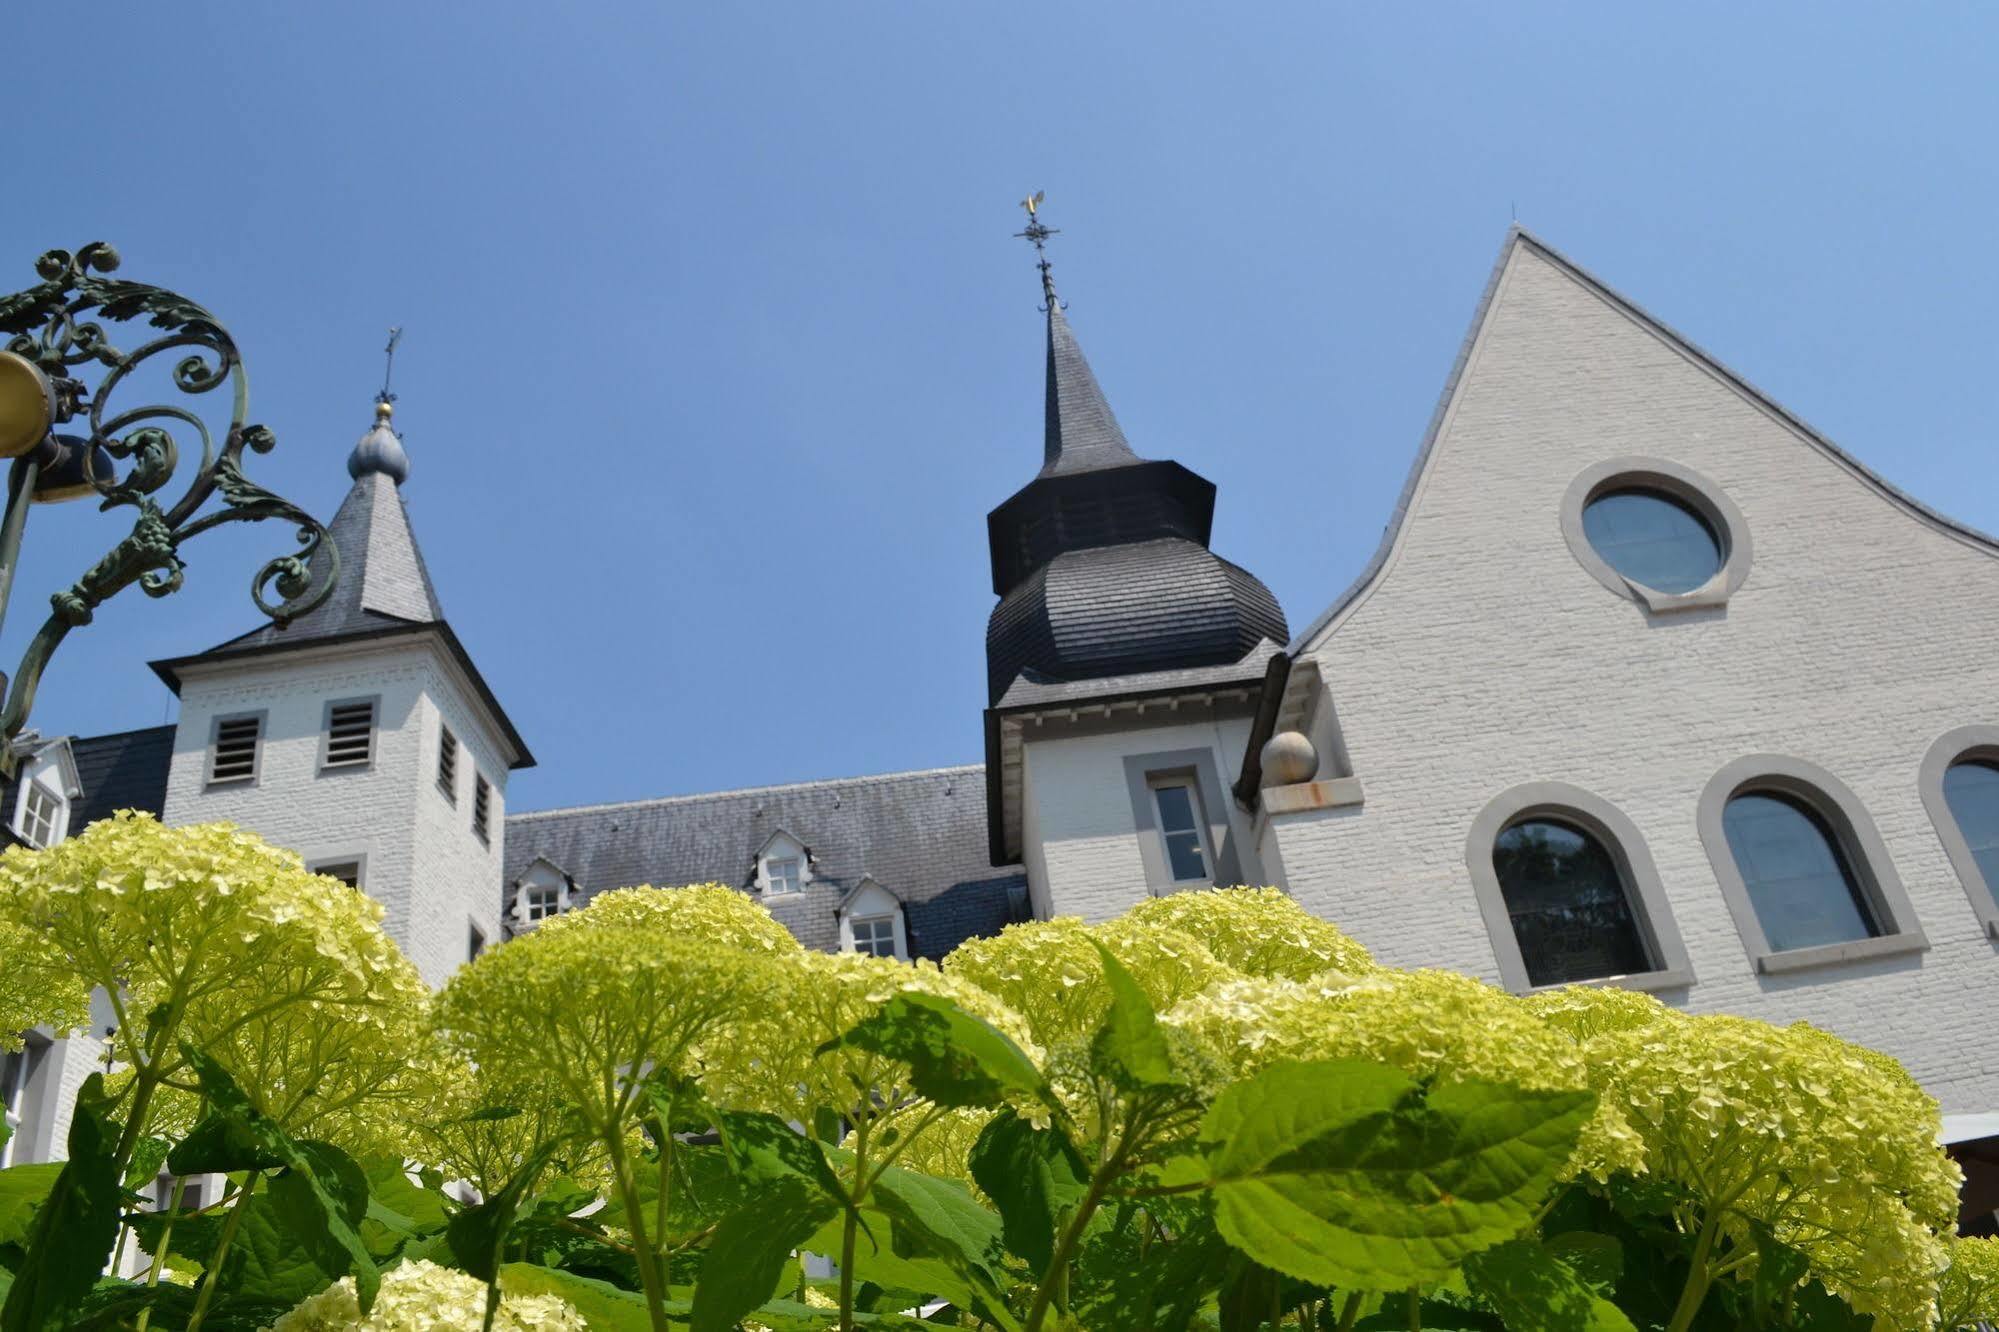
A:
(383, 411)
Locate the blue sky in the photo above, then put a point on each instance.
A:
(719, 347)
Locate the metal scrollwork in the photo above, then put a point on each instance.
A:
(129, 456)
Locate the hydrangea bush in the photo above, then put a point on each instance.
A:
(660, 1112)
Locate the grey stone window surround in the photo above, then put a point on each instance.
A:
(374, 702)
(359, 860)
(1859, 841)
(1636, 472)
(1620, 837)
(1976, 743)
(215, 725)
(1139, 772)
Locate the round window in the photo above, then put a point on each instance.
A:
(1653, 539)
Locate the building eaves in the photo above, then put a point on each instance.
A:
(1517, 236)
(381, 629)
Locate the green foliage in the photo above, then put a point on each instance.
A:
(75, 1224)
(1217, 1112)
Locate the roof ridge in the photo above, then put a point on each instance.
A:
(134, 730)
(746, 790)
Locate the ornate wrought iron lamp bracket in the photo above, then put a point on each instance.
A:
(57, 342)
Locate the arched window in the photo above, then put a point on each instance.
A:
(1796, 873)
(1569, 893)
(1971, 789)
(1568, 902)
(1802, 867)
(1959, 781)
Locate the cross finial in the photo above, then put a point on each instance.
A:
(389, 364)
(1037, 235)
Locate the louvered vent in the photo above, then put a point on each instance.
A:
(234, 757)
(350, 734)
(447, 765)
(482, 809)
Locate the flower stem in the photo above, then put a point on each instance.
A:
(1698, 1277)
(222, 1242)
(1072, 1235)
(160, 1254)
(628, 1194)
(1348, 1312)
(850, 1227)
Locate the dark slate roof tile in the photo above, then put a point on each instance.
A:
(921, 835)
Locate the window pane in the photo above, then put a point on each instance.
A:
(1176, 808)
(1800, 885)
(1652, 539)
(1570, 910)
(1185, 856)
(1971, 790)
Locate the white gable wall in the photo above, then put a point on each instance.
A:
(1484, 656)
(433, 877)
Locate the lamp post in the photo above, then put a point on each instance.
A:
(66, 441)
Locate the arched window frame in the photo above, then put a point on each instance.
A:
(1964, 744)
(1859, 841)
(1620, 837)
(1687, 486)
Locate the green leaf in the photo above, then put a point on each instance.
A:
(322, 1194)
(1129, 1048)
(477, 1235)
(1779, 1268)
(22, 1189)
(1436, 1316)
(767, 1150)
(939, 1218)
(223, 1143)
(1243, 1304)
(1596, 1258)
(603, 1306)
(955, 1059)
(148, 1155)
(879, 1257)
(1154, 1269)
(1348, 1173)
(750, 1250)
(76, 1224)
(1528, 1286)
(1037, 1178)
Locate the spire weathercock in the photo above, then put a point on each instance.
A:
(1037, 235)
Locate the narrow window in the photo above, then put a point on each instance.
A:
(347, 871)
(190, 1192)
(475, 944)
(542, 900)
(233, 755)
(447, 764)
(1569, 904)
(482, 809)
(1183, 827)
(781, 874)
(350, 735)
(1800, 883)
(41, 820)
(875, 935)
(1971, 789)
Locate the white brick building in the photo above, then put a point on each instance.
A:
(1648, 684)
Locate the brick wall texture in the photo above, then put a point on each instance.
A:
(1483, 656)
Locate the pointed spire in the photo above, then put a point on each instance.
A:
(381, 449)
(1081, 433)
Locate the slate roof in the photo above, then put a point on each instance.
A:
(1081, 433)
(921, 835)
(124, 770)
(382, 578)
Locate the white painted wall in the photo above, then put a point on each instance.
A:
(1484, 656)
(1080, 834)
(434, 878)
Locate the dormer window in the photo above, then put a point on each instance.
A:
(871, 922)
(42, 817)
(781, 874)
(875, 935)
(543, 891)
(784, 865)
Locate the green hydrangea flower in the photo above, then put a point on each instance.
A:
(1256, 931)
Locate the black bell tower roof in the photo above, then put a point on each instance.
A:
(1101, 561)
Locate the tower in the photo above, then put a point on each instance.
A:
(1123, 661)
(361, 734)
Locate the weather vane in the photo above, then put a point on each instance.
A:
(1037, 235)
(389, 368)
